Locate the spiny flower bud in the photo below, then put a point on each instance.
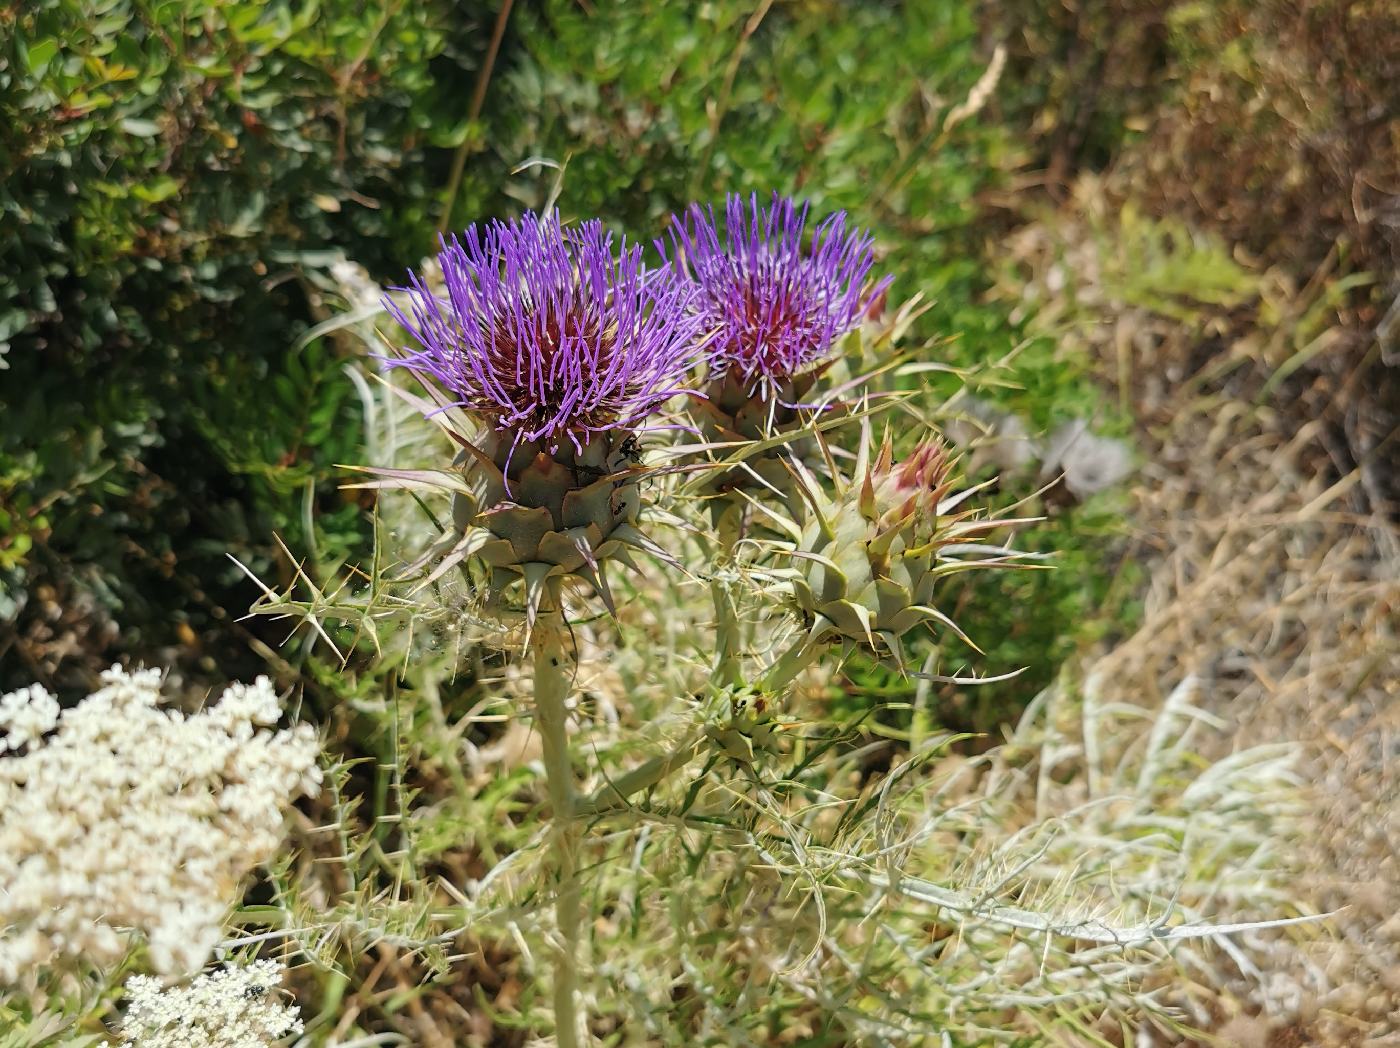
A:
(560, 350)
(870, 551)
(894, 494)
(741, 722)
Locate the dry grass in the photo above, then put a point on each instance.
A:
(1274, 581)
(1284, 602)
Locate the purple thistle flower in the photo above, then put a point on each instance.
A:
(546, 334)
(776, 306)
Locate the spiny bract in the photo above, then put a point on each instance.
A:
(870, 549)
(559, 350)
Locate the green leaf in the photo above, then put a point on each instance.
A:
(157, 189)
(40, 54)
(140, 128)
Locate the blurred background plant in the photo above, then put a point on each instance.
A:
(171, 174)
(1171, 225)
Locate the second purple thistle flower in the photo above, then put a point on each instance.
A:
(776, 300)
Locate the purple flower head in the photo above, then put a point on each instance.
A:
(777, 306)
(546, 334)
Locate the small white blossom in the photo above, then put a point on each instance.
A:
(1089, 463)
(231, 1008)
(356, 284)
(25, 716)
(130, 819)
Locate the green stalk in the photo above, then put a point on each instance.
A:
(613, 797)
(483, 77)
(727, 514)
(553, 679)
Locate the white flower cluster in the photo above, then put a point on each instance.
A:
(230, 1008)
(128, 818)
(356, 284)
(25, 716)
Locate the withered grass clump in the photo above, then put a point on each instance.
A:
(1273, 578)
(1282, 598)
(1273, 123)
(1274, 126)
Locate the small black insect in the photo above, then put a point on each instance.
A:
(252, 993)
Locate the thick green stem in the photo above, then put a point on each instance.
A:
(553, 678)
(613, 797)
(727, 515)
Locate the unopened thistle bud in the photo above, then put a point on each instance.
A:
(871, 548)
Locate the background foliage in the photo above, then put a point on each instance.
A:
(171, 173)
(184, 174)
(1163, 206)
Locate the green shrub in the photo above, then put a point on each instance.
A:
(171, 169)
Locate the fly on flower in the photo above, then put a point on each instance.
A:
(561, 347)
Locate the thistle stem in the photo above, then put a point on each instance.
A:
(727, 516)
(613, 797)
(553, 679)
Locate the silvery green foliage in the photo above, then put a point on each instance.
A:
(122, 822)
(753, 859)
(233, 1007)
